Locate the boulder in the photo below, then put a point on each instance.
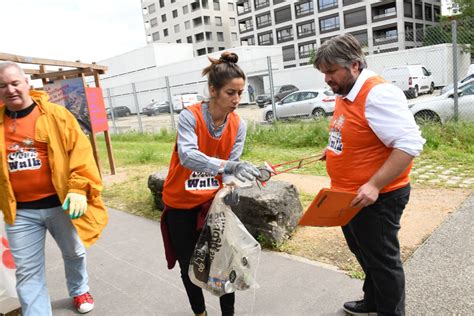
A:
(270, 214)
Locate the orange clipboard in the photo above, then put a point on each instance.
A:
(330, 208)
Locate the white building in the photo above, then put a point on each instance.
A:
(210, 25)
(301, 26)
(147, 72)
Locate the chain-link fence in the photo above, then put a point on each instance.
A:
(433, 69)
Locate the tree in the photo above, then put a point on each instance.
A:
(312, 56)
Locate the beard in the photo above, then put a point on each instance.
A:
(344, 86)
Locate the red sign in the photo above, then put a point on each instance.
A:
(97, 114)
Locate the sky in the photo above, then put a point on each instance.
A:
(85, 30)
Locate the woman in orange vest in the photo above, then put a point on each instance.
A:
(208, 146)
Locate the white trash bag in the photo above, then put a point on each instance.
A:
(226, 256)
(7, 266)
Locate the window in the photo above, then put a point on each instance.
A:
(306, 29)
(384, 12)
(162, 3)
(197, 21)
(354, 18)
(173, 1)
(234, 36)
(248, 41)
(285, 34)
(151, 8)
(348, 2)
(189, 39)
(329, 24)
(165, 32)
(176, 28)
(199, 37)
(232, 21)
(210, 50)
(289, 66)
(175, 13)
(288, 53)
(278, 1)
(207, 20)
(409, 36)
(245, 25)
(208, 36)
(218, 21)
(195, 6)
(265, 39)
(437, 13)
(263, 20)
(326, 4)
(217, 5)
(185, 9)
(243, 7)
(220, 36)
(153, 22)
(303, 8)
(428, 13)
(304, 49)
(418, 11)
(155, 36)
(178, 41)
(204, 4)
(187, 25)
(419, 32)
(230, 6)
(201, 52)
(221, 48)
(282, 15)
(163, 18)
(261, 4)
(407, 9)
(385, 36)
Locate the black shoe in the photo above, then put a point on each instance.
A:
(358, 307)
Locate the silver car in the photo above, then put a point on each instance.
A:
(441, 108)
(303, 103)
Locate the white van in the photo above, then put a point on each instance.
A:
(182, 101)
(412, 79)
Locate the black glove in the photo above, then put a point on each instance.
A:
(241, 170)
(232, 198)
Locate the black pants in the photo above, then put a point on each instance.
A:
(372, 236)
(182, 231)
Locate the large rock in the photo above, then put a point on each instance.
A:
(270, 214)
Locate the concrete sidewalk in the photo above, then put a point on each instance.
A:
(440, 274)
(128, 276)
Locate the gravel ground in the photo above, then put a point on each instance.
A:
(440, 274)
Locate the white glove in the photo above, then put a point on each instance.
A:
(76, 203)
(241, 170)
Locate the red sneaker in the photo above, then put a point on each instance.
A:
(84, 303)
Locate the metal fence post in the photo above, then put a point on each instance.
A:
(168, 91)
(455, 68)
(272, 94)
(111, 103)
(137, 107)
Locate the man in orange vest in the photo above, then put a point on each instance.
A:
(49, 182)
(373, 140)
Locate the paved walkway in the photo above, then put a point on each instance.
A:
(440, 274)
(128, 276)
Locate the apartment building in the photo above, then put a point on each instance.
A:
(301, 26)
(210, 25)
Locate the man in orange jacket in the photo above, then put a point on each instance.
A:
(372, 142)
(47, 168)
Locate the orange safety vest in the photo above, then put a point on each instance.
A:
(185, 188)
(354, 152)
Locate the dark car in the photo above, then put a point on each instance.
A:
(119, 111)
(156, 108)
(280, 93)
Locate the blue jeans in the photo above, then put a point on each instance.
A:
(27, 242)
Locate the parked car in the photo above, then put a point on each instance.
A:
(280, 93)
(460, 82)
(306, 103)
(156, 107)
(412, 79)
(263, 99)
(119, 111)
(441, 108)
